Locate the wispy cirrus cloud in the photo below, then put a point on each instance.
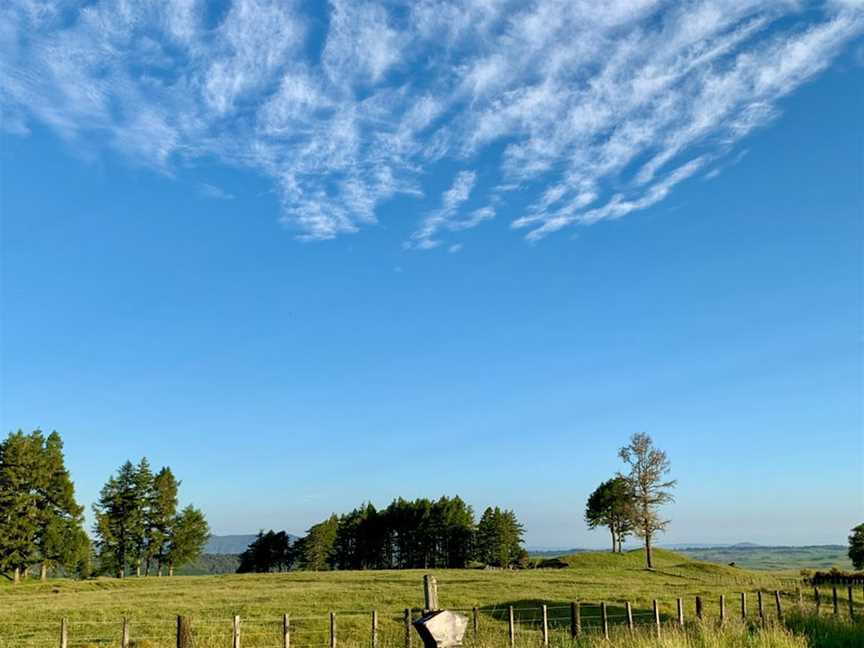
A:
(591, 110)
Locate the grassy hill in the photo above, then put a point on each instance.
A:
(29, 613)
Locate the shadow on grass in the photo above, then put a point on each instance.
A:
(827, 632)
(529, 612)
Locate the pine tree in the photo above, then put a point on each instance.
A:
(856, 546)
(119, 523)
(143, 484)
(188, 537)
(610, 505)
(162, 514)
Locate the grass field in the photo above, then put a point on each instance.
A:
(30, 613)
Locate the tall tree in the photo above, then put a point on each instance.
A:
(162, 514)
(188, 537)
(318, 544)
(144, 495)
(119, 525)
(856, 546)
(499, 538)
(609, 505)
(649, 491)
(269, 552)
(39, 517)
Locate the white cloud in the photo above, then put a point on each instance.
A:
(591, 110)
(206, 190)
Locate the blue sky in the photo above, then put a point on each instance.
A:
(310, 255)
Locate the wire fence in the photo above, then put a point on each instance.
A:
(532, 623)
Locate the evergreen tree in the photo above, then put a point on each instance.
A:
(856, 547)
(649, 491)
(318, 544)
(610, 505)
(269, 552)
(499, 538)
(39, 517)
(162, 513)
(119, 525)
(188, 537)
(144, 494)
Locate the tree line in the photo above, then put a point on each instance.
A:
(137, 524)
(407, 534)
(629, 503)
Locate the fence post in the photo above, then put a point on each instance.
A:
(777, 603)
(605, 615)
(743, 605)
(800, 598)
(817, 599)
(475, 616)
(407, 627)
(680, 612)
(430, 593)
(374, 628)
(511, 626)
(545, 625)
(699, 608)
(286, 631)
(332, 630)
(759, 605)
(124, 634)
(722, 609)
(235, 632)
(656, 616)
(64, 633)
(851, 606)
(629, 616)
(575, 621)
(184, 633)
(834, 600)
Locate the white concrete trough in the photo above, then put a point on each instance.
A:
(441, 629)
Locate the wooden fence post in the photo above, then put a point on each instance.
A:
(235, 632)
(817, 599)
(834, 600)
(332, 630)
(430, 593)
(851, 606)
(656, 616)
(374, 628)
(699, 608)
(64, 633)
(743, 605)
(286, 631)
(722, 609)
(604, 613)
(407, 627)
(124, 634)
(681, 612)
(759, 605)
(475, 616)
(777, 603)
(545, 625)
(575, 620)
(184, 633)
(511, 626)
(629, 616)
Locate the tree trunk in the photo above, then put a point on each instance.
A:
(17, 575)
(25, 573)
(43, 571)
(159, 571)
(138, 569)
(648, 550)
(612, 531)
(170, 569)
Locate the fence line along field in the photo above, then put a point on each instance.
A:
(30, 613)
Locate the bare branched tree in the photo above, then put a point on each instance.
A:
(648, 468)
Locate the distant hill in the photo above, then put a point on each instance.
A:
(234, 544)
(752, 556)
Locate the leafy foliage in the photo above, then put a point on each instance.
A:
(611, 505)
(856, 547)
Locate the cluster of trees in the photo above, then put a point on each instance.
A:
(407, 534)
(630, 502)
(40, 521)
(138, 526)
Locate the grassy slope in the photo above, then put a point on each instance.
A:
(32, 610)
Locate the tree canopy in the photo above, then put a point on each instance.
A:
(856, 546)
(611, 505)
